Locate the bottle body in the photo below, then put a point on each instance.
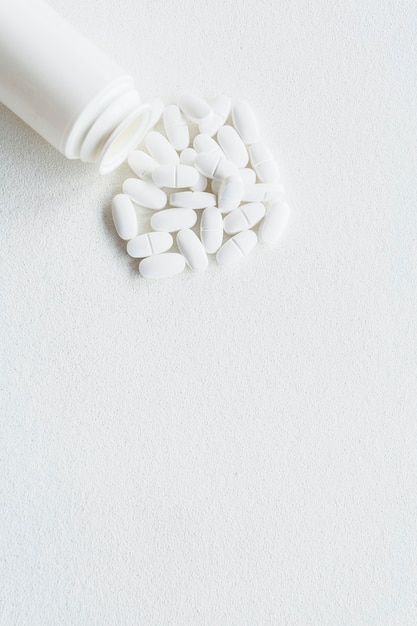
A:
(65, 88)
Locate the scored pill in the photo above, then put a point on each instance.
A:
(263, 163)
(274, 222)
(142, 164)
(244, 121)
(162, 265)
(243, 218)
(221, 108)
(195, 108)
(192, 199)
(124, 216)
(211, 229)
(160, 149)
(175, 176)
(148, 244)
(176, 127)
(192, 249)
(236, 248)
(262, 192)
(145, 194)
(214, 165)
(232, 146)
(230, 194)
(187, 157)
(171, 220)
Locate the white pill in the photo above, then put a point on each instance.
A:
(162, 265)
(274, 222)
(211, 229)
(262, 192)
(245, 122)
(192, 249)
(124, 216)
(230, 194)
(160, 149)
(248, 176)
(195, 108)
(175, 176)
(176, 127)
(171, 220)
(232, 146)
(215, 185)
(263, 163)
(157, 107)
(243, 218)
(192, 200)
(214, 165)
(145, 194)
(187, 157)
(236, 248)
(142, 164)
(221, 108)
(205, 143)
(148, 244)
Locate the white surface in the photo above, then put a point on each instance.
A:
(237, 447)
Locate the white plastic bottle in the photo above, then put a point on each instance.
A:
(65, 88)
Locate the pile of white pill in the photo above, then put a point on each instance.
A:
(220, 194)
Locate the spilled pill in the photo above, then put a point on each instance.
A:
(262, 192)
(192, 199)
(274, 222)
(124, 216)
(195, 108)
(205, 143)
(148, 244)
(220, 107)
(230, 194)
(142, 164)
(214, 165)
(176, 127)
(162, 265)
(211, 229)
(232, 146)
(236, 248)
(192, 249)
(171, 220)
(175, 176)
(263, 163)
(245, 122)
(248, 176)
(246, 216)
(160, 149)
(187, 157)
(144, 193)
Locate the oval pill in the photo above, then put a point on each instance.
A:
(162, 265)
(192, 250)
(195, 108)
(232, 146)
(245, 122)
(221, 108)
(142, 164)
(192, 199)
(124, 216)
(176, 127)
(274, 222)
(263, 163)
(160, 149)
(205, 143)
(171, 220)
(262, 192)
(248, 176)
(145, 194)
(236, 248)
(211, 229)
(187, 157)
(148, 244)
(246, 216)
(215, 185)
(214, 165)
(230, 194)
(175, 176)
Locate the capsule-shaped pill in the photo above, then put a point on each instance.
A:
(175, 176)
(145, 194)
(243, 218)
(214, 165)
(236, 248)
(263, 163)
(247, 176)
(221, 108)
(274, 222)
(187, 157)
(245, 122)
(142, 164)
(232, 146)
(211, 229)
(230, 194)
(176, 127)
(162, 265)
(160, 149)
(171, 220)
(192, 199)
(195, 108)
(148, 244)
(215, 185)
(262, 192)
(205, 143)
(192, 250)
(124, 216)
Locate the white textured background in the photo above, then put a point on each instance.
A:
(236, 448)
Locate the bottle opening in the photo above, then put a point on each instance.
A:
(125, 137)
